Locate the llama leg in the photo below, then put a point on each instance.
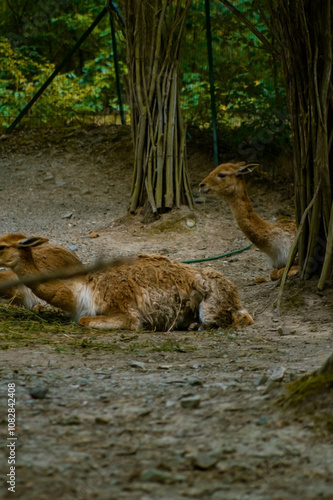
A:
(276, 274)
(293, 271)
(115, 322)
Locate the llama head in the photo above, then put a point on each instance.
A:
(15, 247)
(226, 179)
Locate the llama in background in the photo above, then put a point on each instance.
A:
(272, 238)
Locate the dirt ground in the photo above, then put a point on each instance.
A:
(158, 416)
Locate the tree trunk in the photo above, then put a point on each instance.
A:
(304, 30)
(154, 32)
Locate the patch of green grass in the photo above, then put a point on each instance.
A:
(22, 328)
(95, 344)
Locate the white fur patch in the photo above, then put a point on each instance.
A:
(85, 303)
(280, 251)
(29, 298)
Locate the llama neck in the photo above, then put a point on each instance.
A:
(254, 227)
(26, 266)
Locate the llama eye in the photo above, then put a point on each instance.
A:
(221, 175)
(2, 247)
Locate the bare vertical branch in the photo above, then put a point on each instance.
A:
(154, 33)
(304, 32)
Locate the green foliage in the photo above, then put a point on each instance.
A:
(36, 36)
(249, 92)
(21, 77)
(31, 46)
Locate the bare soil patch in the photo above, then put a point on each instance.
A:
(163, 415)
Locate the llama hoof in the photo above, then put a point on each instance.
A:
(260, 279)
(293, 271)
(38, 308)
(276, 274)
(93, 322)
(194, 326)
(84, 321)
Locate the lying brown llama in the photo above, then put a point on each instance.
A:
(148, 292)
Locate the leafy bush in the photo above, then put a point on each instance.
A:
(21, 76)
(249, 92)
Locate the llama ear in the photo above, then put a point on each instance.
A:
(34, 241)
(247, 169)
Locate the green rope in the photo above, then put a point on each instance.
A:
(228, 254)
